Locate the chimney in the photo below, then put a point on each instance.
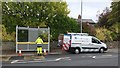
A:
(79, 18)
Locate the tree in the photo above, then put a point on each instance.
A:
(114, 20)
(0, 13)
(47, 14)
(114, 15)
(63, 25)
(104, 34)
(115, 31)
(31, 13)
(103, 18)
(111, 20)
(6, 36)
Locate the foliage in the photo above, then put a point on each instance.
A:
(43, 14)
(104, 34)
(44, 37)
(31, 13)
(103, 18)
(110, 20)
(7, 36)
(89, 28)
(115, 28)
(64, 25)
(114, 20)
(0, 32)
(85, 28)
(115, 13)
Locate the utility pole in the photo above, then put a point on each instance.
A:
(81, 16)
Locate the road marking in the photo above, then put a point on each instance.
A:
(107, 55)
(34, 61)
(94, 57)
(58, 59)
(52, 60)
(39, 60)
(104, 56)
(21, 62)
(18, 61)
(14, 61)
(83, 56)
(67, 59)
(64, 58)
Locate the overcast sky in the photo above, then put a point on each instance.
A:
(90, 8)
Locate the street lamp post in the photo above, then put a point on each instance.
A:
(81, 16)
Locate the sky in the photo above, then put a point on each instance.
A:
(90, 8)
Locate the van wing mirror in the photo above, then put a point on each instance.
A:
(101, 40)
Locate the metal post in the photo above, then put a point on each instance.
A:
(16, 38)
(38, 30)
(48, 39)
(28, 38)
(81, 16)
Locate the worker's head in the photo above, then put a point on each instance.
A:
(40, 36)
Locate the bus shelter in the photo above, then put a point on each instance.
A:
(26, 37)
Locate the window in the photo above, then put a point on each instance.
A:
(95, 41)
(22, 35)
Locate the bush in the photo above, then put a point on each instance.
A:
(104, 34)
(116, 31)
(44, 37)
(7, 36)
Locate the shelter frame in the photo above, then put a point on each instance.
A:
(30, 44)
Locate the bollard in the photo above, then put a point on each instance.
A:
(45, 52)
(20, 52)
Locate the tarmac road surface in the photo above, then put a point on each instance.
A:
(109, 58)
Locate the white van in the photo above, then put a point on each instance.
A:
(76, 43)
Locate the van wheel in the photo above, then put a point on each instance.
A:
(101, 50)
(77, 51)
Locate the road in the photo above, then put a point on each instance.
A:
(109, 58)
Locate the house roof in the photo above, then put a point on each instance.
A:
(86, 20)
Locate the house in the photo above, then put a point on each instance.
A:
(87, 24)
(87, 21)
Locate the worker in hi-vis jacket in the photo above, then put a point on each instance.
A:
(39, 41)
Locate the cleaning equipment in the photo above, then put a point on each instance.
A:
(20, 52)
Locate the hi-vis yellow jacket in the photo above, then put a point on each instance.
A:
(39, 41)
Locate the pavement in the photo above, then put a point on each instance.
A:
(7, 55)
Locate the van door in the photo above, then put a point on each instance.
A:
(95, 45)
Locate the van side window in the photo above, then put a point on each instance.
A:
(95, 41)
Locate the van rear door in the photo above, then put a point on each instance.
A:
(66, 42)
